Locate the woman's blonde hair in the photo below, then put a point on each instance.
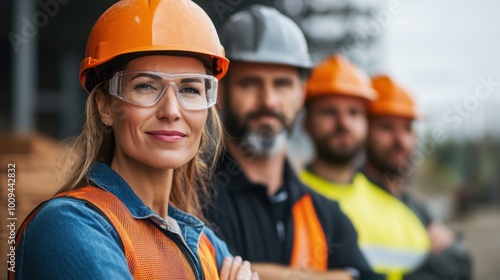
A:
(96, 142)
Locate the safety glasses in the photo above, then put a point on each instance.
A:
(146, 88)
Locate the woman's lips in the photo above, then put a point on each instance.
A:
(167, 135)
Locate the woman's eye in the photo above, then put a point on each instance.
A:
(145, 87)
(190, 89)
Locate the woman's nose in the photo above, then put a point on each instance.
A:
(169, 106)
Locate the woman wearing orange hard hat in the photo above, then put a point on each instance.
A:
(131, 206)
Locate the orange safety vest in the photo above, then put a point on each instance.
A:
(149, 253)
(310, 250)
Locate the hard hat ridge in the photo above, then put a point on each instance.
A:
(338, 76)
(262, 34)
(392, 99)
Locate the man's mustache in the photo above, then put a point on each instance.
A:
(340, 130)
(266, 113)
(397, 148)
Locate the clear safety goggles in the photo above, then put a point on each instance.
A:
(146, 88)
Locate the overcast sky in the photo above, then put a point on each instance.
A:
(439, 49)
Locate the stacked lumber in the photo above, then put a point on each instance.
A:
(38, 166)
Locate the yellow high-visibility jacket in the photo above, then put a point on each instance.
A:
(390, 235)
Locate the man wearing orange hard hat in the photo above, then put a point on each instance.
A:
(336, 102)
(390, 236)
(391, 142)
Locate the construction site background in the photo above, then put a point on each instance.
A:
(445, 52)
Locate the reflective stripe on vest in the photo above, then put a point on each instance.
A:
(390, 235)
(150, 254)
(310, 250)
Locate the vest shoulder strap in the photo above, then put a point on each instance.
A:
(150, 254)
(310, 250)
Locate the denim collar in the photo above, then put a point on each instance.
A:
(106, 178)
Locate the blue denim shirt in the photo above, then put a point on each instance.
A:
(68, 239)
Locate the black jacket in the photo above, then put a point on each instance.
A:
(260, 228)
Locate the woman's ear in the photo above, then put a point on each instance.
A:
(104, 107)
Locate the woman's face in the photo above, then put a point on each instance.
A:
(163, 136)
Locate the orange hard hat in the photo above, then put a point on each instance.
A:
(338, 76)
(392, 100)
(132, 28)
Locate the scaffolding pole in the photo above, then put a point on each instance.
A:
(24, 41)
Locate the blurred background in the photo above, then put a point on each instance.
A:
(444, 52)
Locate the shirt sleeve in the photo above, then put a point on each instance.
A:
(452, 263)
(68, 239)
(221, 250)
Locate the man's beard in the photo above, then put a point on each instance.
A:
(382, 164)
(339, 155)
(265, 142)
